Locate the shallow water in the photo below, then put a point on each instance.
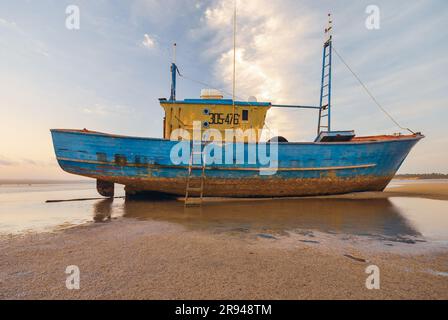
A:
(23, 209)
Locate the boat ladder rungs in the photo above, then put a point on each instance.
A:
(195, 184)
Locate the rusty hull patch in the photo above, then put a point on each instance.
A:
(254, 187)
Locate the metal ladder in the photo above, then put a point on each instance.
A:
(325, 88)
(195, 185)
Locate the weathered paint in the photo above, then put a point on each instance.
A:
(256, 187)
(213, 114)
(143, 164)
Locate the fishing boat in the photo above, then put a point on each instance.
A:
(177, 164)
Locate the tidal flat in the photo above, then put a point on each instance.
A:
(300, 248)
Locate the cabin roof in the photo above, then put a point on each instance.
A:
(217, 102)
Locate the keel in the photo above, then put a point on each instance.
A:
(105, 188)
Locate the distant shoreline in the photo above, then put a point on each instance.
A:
(418, 176)
(41, 181)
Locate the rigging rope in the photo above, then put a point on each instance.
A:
(370, 94)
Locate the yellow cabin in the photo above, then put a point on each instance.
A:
(213, 112)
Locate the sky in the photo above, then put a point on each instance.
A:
(108, 74)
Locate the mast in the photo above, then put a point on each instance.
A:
(173, 75)
(324, 123)
(234, 63)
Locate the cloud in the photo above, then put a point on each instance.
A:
(270, 53)
(8, 24)
(4, 162)
(21, 36)
(278, 59)
(148, 42)
(96, 109)
(106, 110)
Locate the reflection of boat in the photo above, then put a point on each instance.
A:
(336, 162)
(103, 210)
(351, 216)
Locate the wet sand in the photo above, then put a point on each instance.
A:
(129, 257)
(414, 188)
(433, 190)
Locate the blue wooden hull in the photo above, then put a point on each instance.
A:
(304, 169)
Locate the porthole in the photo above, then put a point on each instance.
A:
(205, 124)
(206, 111)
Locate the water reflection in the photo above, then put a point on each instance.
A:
(103, 210)
(360, 217)
(23, 208)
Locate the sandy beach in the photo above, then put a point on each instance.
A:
(130, 258)
(433, 190)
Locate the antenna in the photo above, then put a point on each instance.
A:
(329, 28)
(174, 52)
(173, 75)
(234, 62)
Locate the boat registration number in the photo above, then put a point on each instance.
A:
(222, 118)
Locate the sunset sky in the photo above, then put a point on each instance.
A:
(108, 75)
